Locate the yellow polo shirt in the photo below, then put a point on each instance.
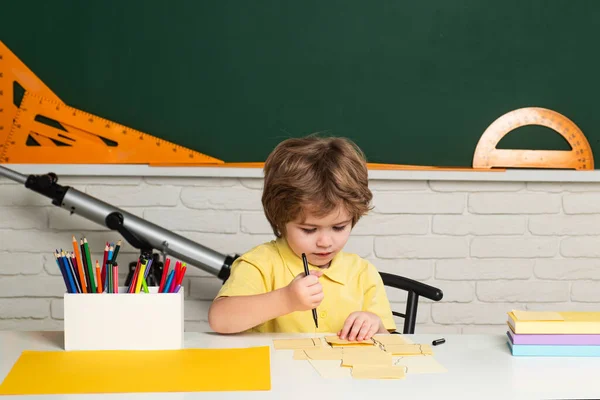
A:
(349, 284)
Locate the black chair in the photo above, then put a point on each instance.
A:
(414, 289)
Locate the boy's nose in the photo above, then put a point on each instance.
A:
(324, 241)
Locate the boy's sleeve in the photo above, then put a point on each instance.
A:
(245, 279)
(376, 300)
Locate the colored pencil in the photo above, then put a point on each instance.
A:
(63, 259)
(163, 278)
(109, 277)
(98, 277)
(145, 286)
(169, 279)
(116, 278)
(116, 253)
(133, 281)
(104, 260)
(86, 248)
(173, 283)
(80, 266)
(73, 272)
(140, 278)
(61, 269)
(148, 266)
(86, 268)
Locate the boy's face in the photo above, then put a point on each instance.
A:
(320, 238)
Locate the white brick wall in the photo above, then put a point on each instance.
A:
(490, 246)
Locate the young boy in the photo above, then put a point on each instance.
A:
(315, 191)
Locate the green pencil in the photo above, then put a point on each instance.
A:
(86, 247)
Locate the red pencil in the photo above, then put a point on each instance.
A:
(134, 277)
(181, 275)
(163, 278)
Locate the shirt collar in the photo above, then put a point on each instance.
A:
(335, 272)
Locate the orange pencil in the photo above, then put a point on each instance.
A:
(98, 276)
(79, 266)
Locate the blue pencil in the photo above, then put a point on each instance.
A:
(169, 279)
(73, 274)
(71, 287)
(61, 269)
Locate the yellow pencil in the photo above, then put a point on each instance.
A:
(140, 276)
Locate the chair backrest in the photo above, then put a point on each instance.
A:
(414, 289)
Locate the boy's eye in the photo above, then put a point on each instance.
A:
(306, 230)
(339, 228)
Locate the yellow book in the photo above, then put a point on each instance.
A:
(567, 322)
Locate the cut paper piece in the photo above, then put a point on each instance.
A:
(379, 358)
(336, 341)
(409, 349)
(330, 369)
(324, 353)
(537, 315)
(378, 372)
(112, 371)
(420, 365)
(359, 349)
(294, 344)
(391, 339)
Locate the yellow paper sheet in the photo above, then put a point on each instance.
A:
(337, 342)
(537, 315)
(420, 365)
(294, 344)
(187, 370)
(378, 372)
(409, 349)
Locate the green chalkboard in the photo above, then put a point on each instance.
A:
(412, 82)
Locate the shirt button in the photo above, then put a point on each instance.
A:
(323, 314)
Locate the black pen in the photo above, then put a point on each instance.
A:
(307, 272)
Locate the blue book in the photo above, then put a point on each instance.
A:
(553, 350)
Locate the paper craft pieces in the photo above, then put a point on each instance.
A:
(369, 358)
(409, 349)
(323, 353)
(391, 339)
(420, 365)
(330, 369)
(337, 342)
(378, 372)
(293, 344)
(376, 358)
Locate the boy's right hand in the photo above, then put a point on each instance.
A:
(305, 292)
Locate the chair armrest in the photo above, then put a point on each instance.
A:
(422, 289)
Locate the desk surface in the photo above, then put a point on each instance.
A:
(479, 367)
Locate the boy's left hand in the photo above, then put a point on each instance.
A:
(360, 325)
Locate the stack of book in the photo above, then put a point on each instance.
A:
(568, 334)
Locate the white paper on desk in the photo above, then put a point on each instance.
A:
(420, 364)
(331, 369)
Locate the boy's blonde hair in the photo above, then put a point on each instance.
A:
(315, 175)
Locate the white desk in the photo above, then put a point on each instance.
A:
(479, 367)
